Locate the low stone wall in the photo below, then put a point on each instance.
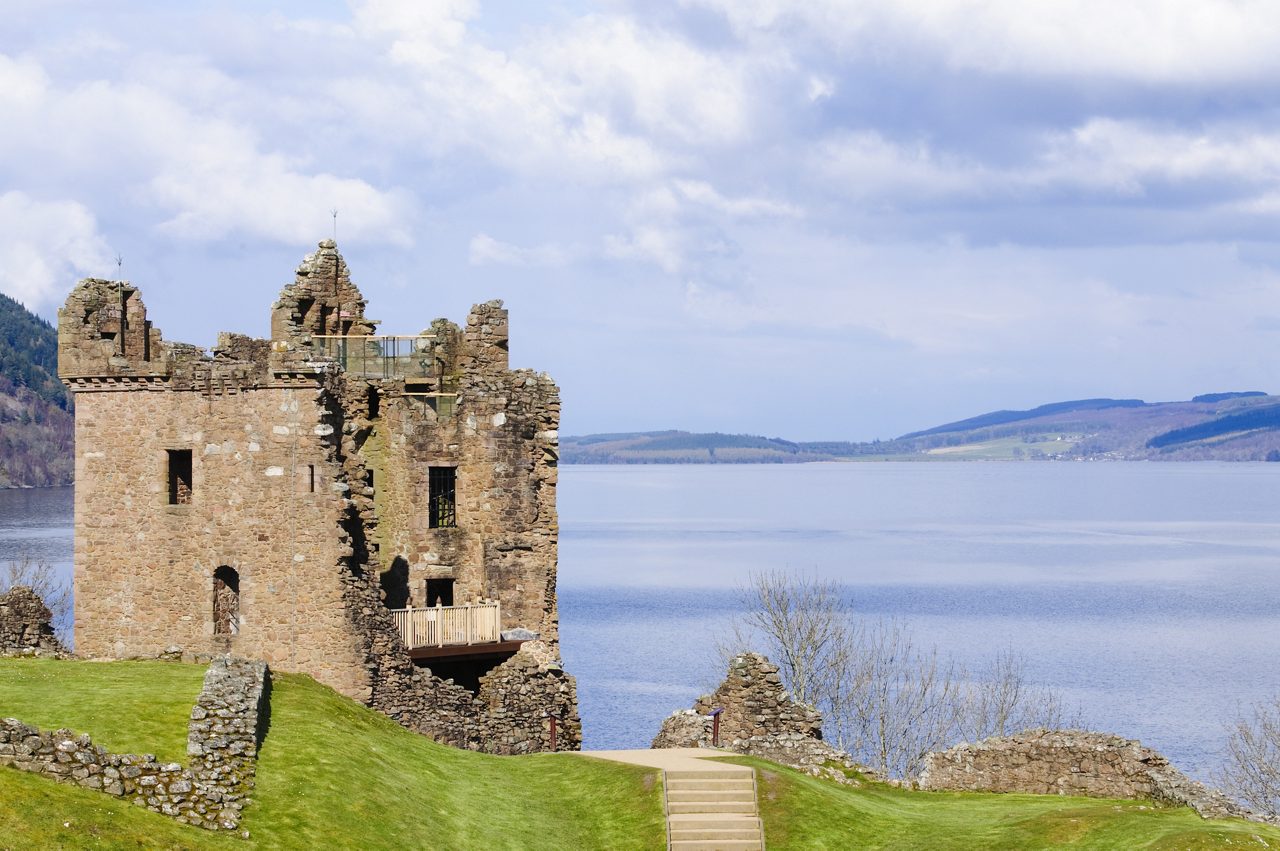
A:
(1072, 762)
(222, 741)
(759, 719)
(25, 625)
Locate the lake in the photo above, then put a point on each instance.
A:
(1147, 594)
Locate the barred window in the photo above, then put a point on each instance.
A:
(442, 497)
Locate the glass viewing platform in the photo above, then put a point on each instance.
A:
(381, 356)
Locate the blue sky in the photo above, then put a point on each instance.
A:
(817, 220)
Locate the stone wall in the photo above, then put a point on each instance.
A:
(1072, 762)
(25, 625)
(759, 719)
(309, 491)
(222, 742)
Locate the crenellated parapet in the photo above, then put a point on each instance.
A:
(281, 498)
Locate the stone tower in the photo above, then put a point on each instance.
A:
(376, 511)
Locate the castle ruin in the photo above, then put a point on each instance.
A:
(376, 511)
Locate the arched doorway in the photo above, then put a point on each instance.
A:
(226, 601)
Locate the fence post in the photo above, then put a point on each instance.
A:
(715, 726)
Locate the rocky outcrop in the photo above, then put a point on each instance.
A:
(758, 718)
(222, 741)
(26, 625)
(1072, 762)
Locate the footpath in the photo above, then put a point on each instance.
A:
(709, 805)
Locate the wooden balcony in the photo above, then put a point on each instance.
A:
(455, 627)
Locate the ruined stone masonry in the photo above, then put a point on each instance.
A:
(222, 743)
(25, 628)
(759, 718)
(356, 506)
(1072, 762)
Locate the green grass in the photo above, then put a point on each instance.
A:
(802, 812)
(331, 774)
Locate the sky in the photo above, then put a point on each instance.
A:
(814, 220)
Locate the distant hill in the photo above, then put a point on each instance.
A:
(36, 425)
(1231, 426)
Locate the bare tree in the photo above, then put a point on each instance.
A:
(802, 620)
(1252, 771)
(885, 700)
(42, 578)
(1001, 700)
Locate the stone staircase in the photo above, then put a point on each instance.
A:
(712, 808)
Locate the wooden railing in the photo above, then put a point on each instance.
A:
(441, 626)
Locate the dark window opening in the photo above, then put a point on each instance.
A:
(304, 311)
(226, 601)
(373, 403)
(442, 497)
(464, 671)
(439, 592)
(179, 476)
(311, 477)
(325, 312)
(124, 319)
(368, 478)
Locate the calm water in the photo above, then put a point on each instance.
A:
(1147, 593)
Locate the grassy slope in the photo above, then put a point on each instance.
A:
(801, 812)
(331, 774)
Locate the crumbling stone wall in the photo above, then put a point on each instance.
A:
(222, 742)
(1071, 762)
(26, 625)
(309, 480)
(759, 718)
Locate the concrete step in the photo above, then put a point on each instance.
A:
(713, 821)
(704, 795)
(710, 774)
(674, 807)
(710, 785)
(716, 845)
(744, 833)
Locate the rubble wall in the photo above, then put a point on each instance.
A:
(1071, 762)
(25, 625)
(758, 718)
(222, 741)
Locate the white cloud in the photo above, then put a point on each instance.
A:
(484, 250)
(1188, 41)
(207, 175)
(703, 193)
(45, 246)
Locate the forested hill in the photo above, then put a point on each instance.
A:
(36, 427)
(1231, 426)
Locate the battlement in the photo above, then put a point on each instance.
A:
(281, 498)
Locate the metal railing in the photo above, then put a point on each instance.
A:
(380, 356)
(443, 626)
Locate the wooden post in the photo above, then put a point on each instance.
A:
(469, 634)
(439, 624)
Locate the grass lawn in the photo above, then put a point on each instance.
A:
(331, 774)
(802, 812)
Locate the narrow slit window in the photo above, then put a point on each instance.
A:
(442, 497)
(179, 476)
(311, 478)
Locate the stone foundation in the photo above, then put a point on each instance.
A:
(222, 741)
(1072, 762)
(759, 719)
(25, 625)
